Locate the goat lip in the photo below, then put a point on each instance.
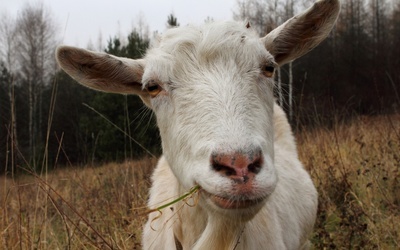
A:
(229, 203)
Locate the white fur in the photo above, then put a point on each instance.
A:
(215, 97)
(285, 222)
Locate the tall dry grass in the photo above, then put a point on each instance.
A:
(79, 208)
(355, 166)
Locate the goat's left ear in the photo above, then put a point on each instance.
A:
(101, 71)
(302, 33)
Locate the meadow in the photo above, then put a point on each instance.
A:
(355, 165)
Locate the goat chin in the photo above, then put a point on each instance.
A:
(226, 209)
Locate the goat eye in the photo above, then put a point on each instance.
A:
(268, 70)
(153, 89)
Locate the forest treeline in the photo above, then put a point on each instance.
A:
(47, 119)
(354, 71)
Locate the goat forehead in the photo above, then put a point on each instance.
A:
(215, 46)
(210, 35)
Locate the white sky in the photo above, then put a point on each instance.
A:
(81, 21)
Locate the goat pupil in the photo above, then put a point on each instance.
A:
(269, 69)
(151, 88)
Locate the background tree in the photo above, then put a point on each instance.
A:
(36, 45)
(394, 60)
(8, 133)
(172, 21)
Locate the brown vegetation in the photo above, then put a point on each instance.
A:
(79, 208)
(355, 166)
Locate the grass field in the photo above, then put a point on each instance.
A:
(355, 166)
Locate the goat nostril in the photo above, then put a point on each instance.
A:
(228, 171)
(255, 167)
(217, 167)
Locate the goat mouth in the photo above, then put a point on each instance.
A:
(233, 202)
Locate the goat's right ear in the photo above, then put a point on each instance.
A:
(302, 33)
(101, 71)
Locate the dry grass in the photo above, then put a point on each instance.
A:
(80, 208)
(355, 166)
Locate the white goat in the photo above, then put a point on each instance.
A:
(211, 88)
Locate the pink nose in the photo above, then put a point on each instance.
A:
(238, 165)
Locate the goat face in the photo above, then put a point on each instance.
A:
(213, 99)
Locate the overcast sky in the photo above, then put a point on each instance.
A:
(81, 21)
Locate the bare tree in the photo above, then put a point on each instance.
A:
(141, 26)
(7, 53)
(7, 40)
(288, 12)
(379, 12)
(36, 44)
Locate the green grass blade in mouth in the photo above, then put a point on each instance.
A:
(180, 198)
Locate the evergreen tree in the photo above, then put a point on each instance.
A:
(172, 21)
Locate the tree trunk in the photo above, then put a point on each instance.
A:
(290, 91)
(30, 124)
(280, 94)
(13, 127)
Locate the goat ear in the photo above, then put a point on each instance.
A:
(302, 33)
(101, 71)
